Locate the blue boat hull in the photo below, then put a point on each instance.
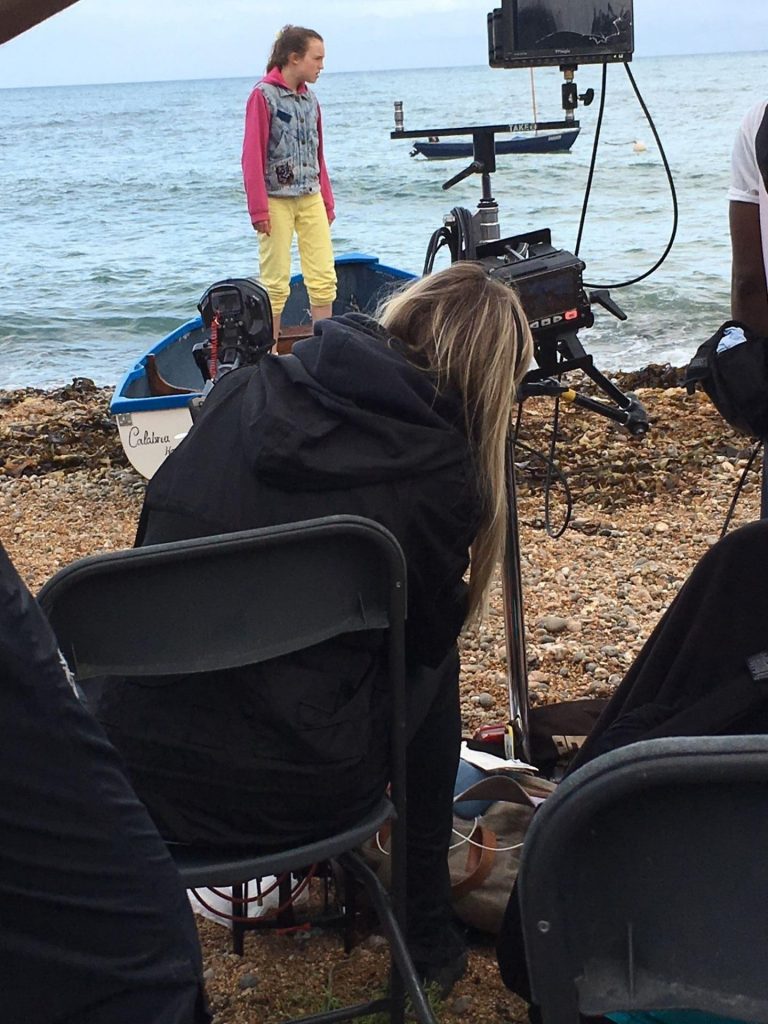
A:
(544, 142)
(151, 425)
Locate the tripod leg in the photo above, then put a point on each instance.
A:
(517, 668)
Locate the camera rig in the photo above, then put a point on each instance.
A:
(549, 281)
(551, 288)
(238, 315)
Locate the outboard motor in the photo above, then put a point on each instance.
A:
(238, 314)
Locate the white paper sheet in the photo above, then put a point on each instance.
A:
(491, 763)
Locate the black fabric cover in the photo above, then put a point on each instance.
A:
(95, 927)
(692, 676)
(16, 16)
(736, 379)
(557, 731)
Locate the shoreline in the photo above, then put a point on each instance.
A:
(69, 427)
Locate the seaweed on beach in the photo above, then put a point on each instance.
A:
(69, 428)
(63, 429)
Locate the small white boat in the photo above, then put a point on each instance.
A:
(151, 402)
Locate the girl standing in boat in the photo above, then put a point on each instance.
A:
(286, 181)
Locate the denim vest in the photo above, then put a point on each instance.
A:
(293, 160)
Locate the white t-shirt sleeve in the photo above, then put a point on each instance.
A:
(745, 174)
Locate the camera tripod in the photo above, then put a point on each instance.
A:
(557, 350)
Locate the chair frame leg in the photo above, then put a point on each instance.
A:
(239, 911)
(404, 978)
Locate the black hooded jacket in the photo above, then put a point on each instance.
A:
(346, 424)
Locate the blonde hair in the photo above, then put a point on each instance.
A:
(470, 331)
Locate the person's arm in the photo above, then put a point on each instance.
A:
(749, 292)
(325, 182)
(255, 145)
(749, 297)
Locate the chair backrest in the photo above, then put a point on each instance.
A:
(229, 600)
(644, 882)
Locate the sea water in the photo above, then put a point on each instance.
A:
(121, 204)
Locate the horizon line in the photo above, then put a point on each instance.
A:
(366, 71)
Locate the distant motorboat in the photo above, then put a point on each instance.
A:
(548, 140)
(556, 141)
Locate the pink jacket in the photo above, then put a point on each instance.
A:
(256, 149)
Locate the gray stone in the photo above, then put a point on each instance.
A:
(461, 1005)
(611, 651)
(553, 623)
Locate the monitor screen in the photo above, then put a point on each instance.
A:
(524, 33)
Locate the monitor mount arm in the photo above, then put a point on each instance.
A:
(484, 146)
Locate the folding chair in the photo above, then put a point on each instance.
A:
(644, 882)
(265, 593)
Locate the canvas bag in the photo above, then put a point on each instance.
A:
(736, 378)
(485, 851)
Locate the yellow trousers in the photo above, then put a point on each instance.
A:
(306, 216)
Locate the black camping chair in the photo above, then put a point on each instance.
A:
(264, 593)
(644, 882)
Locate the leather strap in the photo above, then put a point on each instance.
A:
(480, 860)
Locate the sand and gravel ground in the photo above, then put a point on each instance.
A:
(644, 512)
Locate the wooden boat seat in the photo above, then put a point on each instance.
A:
(290, 335)
(158, 385)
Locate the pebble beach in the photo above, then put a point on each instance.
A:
(644, 511)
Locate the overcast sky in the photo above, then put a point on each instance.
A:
(149, 40)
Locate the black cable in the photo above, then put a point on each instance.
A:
(463, 221)
(675, 214)
(560, 476)
(593, 161)
(458, 236)
(554, 534)
(437, 241)
(553, 473)
(740, 488)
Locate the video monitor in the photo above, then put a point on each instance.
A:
(533, 33)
